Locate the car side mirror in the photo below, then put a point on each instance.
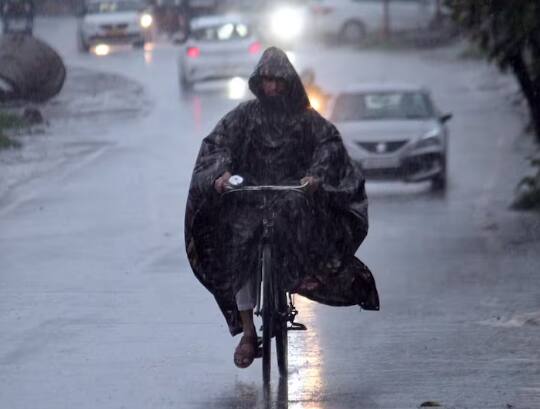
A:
(446, 117)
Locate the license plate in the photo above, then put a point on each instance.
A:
(383, 162)
(116, 32)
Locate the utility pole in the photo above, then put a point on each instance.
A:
(386, 19)
(438, 10)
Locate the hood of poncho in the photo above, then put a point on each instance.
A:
(275, 63)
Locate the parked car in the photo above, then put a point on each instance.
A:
(393, 131)
(17, 16)
(352, 20)
(114, 22)
(222, 46)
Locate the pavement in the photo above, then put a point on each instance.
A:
(99, 308)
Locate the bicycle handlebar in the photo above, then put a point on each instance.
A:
(237, 187)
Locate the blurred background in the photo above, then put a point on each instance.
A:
(103, 107)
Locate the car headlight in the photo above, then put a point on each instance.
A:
(432, 138)
(237, 88)
(286, 23)
(146, 20)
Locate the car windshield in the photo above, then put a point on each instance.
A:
(381, 106)
(99, 7)
(222, 32)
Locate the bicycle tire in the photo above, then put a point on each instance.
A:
(267, 313)
(280, 326)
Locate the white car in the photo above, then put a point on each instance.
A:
(218, 47)
(351, 20)
(393, 131)
(113, 22)
(282, 23)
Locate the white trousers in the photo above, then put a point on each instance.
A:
(246, 297)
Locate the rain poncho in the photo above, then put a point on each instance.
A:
(278, 140)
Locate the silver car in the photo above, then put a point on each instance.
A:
(393, 132)
(221, 46)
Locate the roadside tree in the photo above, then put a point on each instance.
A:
(509, 34)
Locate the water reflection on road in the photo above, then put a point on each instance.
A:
(306, 360)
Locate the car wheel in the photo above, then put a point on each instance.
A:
(352, 32)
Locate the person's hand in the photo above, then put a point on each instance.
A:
(313, 183)
(220, 182)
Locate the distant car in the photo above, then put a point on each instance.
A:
(352, 20)
(393, 132)
(17, 16)
(113, 22)
(218, 47)
(282, 23)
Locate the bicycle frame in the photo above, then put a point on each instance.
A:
(272, 306)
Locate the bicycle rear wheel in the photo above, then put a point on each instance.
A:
(280, 325)
(267, 311)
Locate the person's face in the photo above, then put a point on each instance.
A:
(273, 86)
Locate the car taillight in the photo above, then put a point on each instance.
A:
(193, 52)
(255, 48)
(321, 10)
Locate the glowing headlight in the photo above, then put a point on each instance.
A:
(286, 23)
(237, 88)
(146, 20)
(102, 50)
(315, 102)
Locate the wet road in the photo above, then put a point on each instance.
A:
(99, 309)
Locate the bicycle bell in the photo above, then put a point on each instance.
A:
(236, 180)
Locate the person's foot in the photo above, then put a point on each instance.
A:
(246, 351)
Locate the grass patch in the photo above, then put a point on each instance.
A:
(8, 143)
(528, 190)
(473, 52)
(9, 121)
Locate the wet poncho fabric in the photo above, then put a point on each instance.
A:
(277, 141)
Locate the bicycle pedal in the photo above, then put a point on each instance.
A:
(296, 326)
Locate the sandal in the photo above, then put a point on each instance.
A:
(246, 351)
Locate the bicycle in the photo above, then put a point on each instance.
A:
(275, 307)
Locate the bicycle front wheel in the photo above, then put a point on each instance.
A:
(280, 325)
(267, 311)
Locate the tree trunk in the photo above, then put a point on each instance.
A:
(530, 88)
(386, 19)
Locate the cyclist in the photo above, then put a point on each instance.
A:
(277, 139)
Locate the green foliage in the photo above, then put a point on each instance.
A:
(6, 143)
(503, 28)
(9, 121)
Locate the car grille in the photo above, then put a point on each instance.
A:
(382, 147)
(114, 27)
